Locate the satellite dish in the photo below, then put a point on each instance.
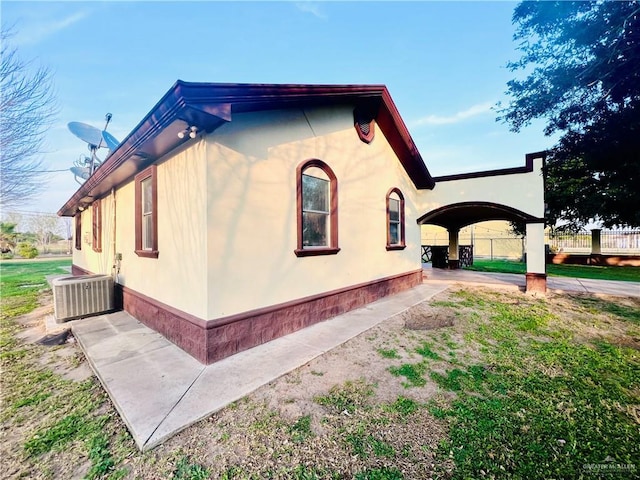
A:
(86, 133)
(82, 172)
(85, 166)
(110, 140)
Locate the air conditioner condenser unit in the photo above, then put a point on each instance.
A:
(82, 296)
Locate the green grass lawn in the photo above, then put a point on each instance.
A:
(53, 415)
(518, 387)
(555, 391)
(627, 274)
(21, 282)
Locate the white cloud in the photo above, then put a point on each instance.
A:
(474, 111)
(311, 7)
(37, 32)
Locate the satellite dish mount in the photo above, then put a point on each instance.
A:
(85, 166)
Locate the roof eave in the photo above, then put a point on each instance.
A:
(188, 103)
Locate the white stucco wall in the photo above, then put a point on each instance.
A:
(252, 208)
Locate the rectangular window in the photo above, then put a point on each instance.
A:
(78, 235)
(146, 214)
(96, 209)
(315, 211)
(394, 221)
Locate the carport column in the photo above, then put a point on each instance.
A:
(454, 248)
(536, 264)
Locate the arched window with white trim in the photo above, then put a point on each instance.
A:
(317, 209)
(395, 220)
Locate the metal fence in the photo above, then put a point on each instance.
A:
(500, 247)
(490, 247)
(438, 255)
(611, 241)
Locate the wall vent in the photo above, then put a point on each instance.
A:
(82, 296)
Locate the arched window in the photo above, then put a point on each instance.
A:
(317, 209)
(395, 220)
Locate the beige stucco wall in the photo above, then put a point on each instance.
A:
(523, 191)
(227, 214)
(178, 276)
(86, 257)
(252, 208)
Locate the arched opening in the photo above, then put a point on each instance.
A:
(456, 216)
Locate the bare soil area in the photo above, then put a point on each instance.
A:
(340, 415)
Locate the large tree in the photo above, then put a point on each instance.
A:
(580, 72)
(46, 227)
(27, 109)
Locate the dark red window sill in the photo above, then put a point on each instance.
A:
(312, 252)
(148, 253)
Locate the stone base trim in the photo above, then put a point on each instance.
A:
(211, 340)
(229, 335)
(536, 282)
(454, 264)
(75, 271)
(185, 330)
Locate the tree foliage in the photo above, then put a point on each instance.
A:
(581, 65)
(8, 236)
(46, 229)
(27, 250)
(27, 109)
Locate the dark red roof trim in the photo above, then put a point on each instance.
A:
(528, 167)
(209, 105)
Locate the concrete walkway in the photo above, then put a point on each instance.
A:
(158, 389)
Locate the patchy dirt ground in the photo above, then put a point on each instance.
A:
(65, 359)
(341, 414)
(255, 434)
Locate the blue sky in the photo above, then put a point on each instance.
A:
(443, 62)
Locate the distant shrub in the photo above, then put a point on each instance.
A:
(6, 256)
(26, 250)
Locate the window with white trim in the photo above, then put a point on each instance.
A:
(317, 205)
(395, 220)
(146, 215)
(96, 212)
(78, 232)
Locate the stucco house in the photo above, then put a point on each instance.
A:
(237, 213)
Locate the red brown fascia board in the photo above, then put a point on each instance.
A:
(210, 105)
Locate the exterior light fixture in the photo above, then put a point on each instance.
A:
(191, 132)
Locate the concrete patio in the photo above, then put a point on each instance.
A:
(159, 390)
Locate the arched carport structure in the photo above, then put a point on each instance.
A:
(463, 214)
(515, 194)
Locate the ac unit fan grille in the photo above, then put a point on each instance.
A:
(82, 296)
